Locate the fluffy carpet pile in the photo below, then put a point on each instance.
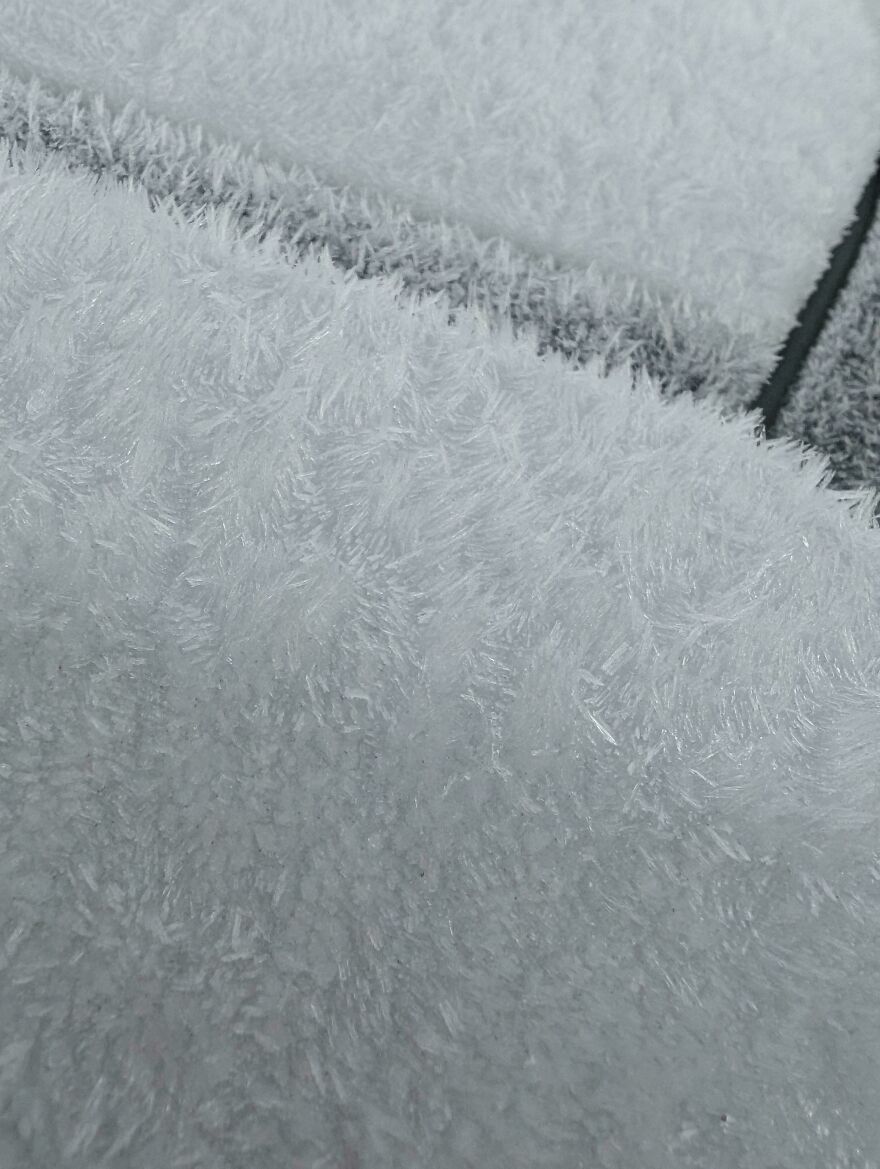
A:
(418, 748)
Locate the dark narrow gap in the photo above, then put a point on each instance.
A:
(812, 317)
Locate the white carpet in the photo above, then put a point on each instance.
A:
(415, 751)
(715, 149)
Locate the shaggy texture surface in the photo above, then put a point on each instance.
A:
(835, 404)
(422, 744)
(686, 149)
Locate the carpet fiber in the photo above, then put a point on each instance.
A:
(435, 730)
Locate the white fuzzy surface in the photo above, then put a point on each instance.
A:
(413, 752)
(717, 148)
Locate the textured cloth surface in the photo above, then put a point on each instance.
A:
(688, 166)
(416, 748)
(835, 404)
(686, 148)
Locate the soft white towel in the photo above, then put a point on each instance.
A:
(416, 751)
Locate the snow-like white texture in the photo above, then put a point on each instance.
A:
(714, 147)
(413, 751)
(582, 313)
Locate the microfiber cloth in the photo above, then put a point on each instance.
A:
(421, 745)
(834, 403)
